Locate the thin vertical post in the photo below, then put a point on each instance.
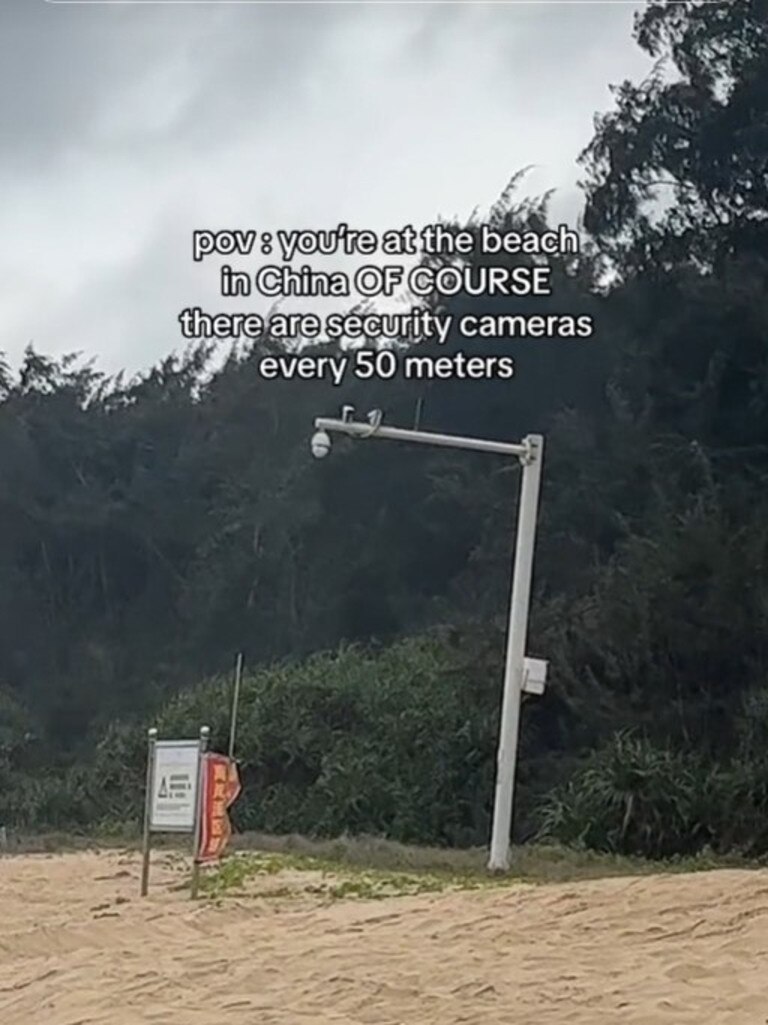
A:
(150, 789)
(196, 833)
(515, 656)
(235, 702)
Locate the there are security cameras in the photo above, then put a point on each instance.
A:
(321, 444)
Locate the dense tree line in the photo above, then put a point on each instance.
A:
(152, 528)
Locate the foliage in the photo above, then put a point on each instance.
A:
(631, 798)
(634, 798)
(677, 172)
(397, 742)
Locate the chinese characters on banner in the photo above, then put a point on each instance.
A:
(220, 788)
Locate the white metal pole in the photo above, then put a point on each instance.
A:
(355, 429)
(514, 663)
(531, 454)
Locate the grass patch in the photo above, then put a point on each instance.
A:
(368, 867)
(247, 873)
(529, 862)
(371, 869)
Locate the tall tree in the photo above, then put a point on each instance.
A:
(678, 172)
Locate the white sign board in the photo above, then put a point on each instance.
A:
(534, 675)
(174, 786)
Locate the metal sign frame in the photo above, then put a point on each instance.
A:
(152, 747)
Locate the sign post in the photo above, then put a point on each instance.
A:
(145, 847)
(198, 819)
(172, 791)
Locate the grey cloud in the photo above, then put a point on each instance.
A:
(66, 71)
(123, 128)
(57, 66)
(127, 312)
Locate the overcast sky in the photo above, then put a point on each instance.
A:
(124, 127)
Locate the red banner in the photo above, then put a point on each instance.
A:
(220, 789)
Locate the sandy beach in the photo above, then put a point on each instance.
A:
(79, 947)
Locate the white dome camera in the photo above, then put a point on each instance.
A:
(321, 444)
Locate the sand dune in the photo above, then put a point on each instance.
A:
(78, 947)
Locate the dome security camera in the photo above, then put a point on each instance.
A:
(321, 444)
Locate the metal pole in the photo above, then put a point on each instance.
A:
(531, 453)
(204, 735)
(514, 663)
(355, 429)
(150, 787)
(235, 701)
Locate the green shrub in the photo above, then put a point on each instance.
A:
(398, 742)
(632, 798)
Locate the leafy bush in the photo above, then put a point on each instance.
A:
(741, 798)
(636, 799)
(398, 742)
(632, 798)
(401, 742)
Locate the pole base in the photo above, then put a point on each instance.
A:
(498, 867)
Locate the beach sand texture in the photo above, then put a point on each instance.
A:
(79, 947)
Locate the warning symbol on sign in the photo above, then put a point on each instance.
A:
(163, 791)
